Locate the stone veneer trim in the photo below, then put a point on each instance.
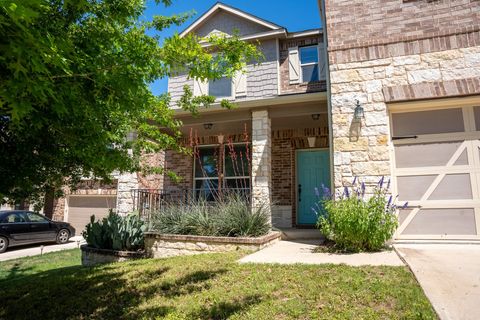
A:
(432, 90)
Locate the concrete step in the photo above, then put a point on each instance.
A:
(301, 234)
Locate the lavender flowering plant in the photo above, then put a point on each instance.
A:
(356, 222)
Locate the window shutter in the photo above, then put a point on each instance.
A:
(240, 84)
(200, 87)
(293, 65)
(322, 62)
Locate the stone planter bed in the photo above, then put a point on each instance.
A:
(93, 256)
(160, 245)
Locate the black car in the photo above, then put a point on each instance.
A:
(18, 227)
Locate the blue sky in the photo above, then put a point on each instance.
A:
(295, 15)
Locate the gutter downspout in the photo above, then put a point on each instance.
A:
(321, 5)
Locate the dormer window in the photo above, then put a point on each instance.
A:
(220, 88)
(309, 63)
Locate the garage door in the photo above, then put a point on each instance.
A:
(437, 170)
(80, 208)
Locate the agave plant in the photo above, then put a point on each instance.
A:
(116, 232)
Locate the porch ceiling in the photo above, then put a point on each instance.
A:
(288, 116)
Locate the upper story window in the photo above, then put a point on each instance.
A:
(220, 88)
(309, 63)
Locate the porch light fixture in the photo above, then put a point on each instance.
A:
(208, 126)
(311, 141)
(358, 114)
(315, 116)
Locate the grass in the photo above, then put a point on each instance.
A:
(209, 286)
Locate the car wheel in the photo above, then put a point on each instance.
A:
(62, 236)
(3, 244)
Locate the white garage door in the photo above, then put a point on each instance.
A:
(437, 161)
(80, 208)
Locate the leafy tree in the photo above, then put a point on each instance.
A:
(74, 82)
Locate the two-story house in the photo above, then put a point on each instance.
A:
(412, 65)
(274, 145)
(272, 148)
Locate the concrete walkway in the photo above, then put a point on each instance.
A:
(34, 250)
(450, 276)
(301, 251)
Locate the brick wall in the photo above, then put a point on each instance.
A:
(285, 86)
(353, 23)
(182, 166)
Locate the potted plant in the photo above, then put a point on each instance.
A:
(113, 239)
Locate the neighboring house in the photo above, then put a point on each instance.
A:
(414, 65)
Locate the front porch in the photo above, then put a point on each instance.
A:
(273, 156)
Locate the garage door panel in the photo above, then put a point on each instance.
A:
(462, 159)
(437, 171)
(453, 186)
(426, 154)
(413, 187)
(441, 221)
(428, 122)
(80, 208)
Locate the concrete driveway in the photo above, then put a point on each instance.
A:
(450, 276)
(36, 249)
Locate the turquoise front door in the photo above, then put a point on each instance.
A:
(313, 170)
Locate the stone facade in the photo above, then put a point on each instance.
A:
(261, 159)
(388, 51)
(167, 245)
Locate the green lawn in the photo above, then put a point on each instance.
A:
(210, 286)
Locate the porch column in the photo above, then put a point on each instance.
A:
(261, 160)
(126, 182)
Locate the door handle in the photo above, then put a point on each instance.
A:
(299, 192)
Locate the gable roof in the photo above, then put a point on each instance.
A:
(221, 6)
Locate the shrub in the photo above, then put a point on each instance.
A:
(355, 223)
(116, 232)
(229, 217)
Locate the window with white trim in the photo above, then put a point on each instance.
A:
(309, 63)
(227, 171)
(220, 88)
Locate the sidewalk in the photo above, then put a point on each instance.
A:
(301, 251)
(36, 249)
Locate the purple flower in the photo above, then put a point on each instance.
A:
(354, 180)
(346, 192)
(317, 193)
(389, 201)
(326, 192)
(405, 205)
(388, 184)
(363, 189)
(380, 183)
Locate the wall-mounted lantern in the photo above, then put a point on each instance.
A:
(358, 114)
(315, 116)
(208, 126)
